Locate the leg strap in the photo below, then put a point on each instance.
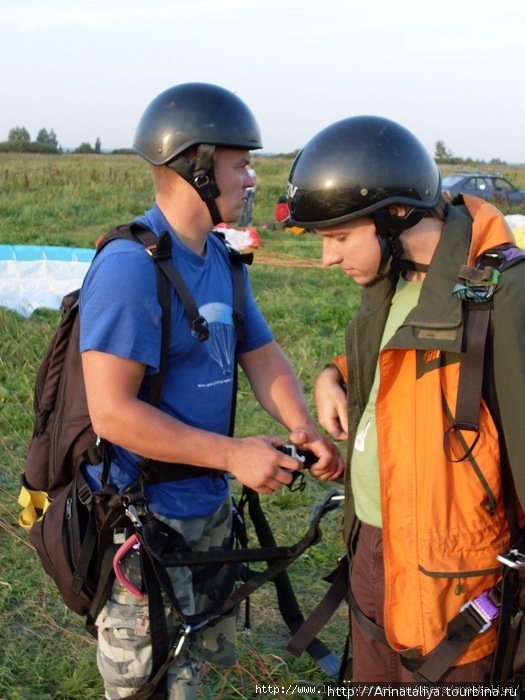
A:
(461, 630)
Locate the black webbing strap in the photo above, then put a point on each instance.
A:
(160, 641)
(87, 546)
(318, 618)
(287, 601)
(161, 253)
(369, 627)
(508, 628)
(236, 261)
(461, 630)
(471, 367)
(156, 385)
(278, 558)
(106, 576)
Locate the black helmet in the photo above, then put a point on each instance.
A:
(190, 114)
(358, 167)
(195, 114)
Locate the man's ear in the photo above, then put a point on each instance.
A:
(399, 210)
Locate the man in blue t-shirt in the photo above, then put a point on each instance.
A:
(197, 138)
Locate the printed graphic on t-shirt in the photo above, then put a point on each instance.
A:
(222, 339)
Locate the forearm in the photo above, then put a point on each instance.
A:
(145, 430)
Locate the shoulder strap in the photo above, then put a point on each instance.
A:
(236, 262)
(476, 288)
(160, 250)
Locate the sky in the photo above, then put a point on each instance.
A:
(452, 71)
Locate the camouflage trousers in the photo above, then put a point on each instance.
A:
(124, 654)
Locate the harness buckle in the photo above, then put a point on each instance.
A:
(514, 559)
(133, 515)
(485, 611)
(85, 495)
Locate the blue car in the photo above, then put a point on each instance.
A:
(484, 185)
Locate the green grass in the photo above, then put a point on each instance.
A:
(71, 200)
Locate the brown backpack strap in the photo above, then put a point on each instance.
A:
(471, 368)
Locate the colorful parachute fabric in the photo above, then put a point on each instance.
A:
(33, 277)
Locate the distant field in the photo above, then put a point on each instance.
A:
(71, 200)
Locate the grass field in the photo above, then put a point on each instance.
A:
(71, 200)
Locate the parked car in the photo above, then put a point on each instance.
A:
(484, 185)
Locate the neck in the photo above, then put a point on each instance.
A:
(419, 244)
(189, 217)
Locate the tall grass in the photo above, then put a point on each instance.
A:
(70, 200)
(44, 651)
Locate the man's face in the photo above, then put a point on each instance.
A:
(353, 246)
(232, 175)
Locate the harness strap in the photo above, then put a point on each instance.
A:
(281, 558)
(471, 372)
(85, 547)
(461, 630)
(161, 253)
(287, 601)
(160, 642)
(323, 611)
(508, 655)
(158, 472)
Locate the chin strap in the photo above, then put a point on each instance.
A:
(410, 265)
(388, 229)
(199, 173)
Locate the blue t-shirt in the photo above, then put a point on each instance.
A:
(120, 315)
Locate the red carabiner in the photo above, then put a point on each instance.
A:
(132, 541)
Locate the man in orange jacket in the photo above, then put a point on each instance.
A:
(426, 513)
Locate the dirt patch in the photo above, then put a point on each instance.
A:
(266, 257)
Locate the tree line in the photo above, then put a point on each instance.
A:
(443, 156)
(19, 141)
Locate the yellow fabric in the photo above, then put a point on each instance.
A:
(34, 505)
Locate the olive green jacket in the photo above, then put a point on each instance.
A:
(437, 323)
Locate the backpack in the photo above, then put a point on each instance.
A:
(73, 529)
(53, 488)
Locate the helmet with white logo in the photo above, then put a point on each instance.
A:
(358, 167)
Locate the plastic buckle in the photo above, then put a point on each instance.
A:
(84, 494)
(483, 608)
(199, 329)
(514, 559)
